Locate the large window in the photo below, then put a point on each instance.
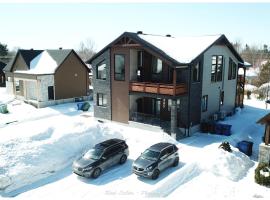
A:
(217, 68)
(119, 67)
(196, 73)
(204, 103)
(156, 66)
(101, 99)
(101, 70)
(232, 70)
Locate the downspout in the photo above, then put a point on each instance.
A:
(189, 89)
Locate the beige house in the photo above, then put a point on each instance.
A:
(47, 77)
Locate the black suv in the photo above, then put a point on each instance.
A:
(101, 157)
(156, 159)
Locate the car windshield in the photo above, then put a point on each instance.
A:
(150, 155)
(93, 154)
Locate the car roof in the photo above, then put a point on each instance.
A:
(107, 143)
(160, 146)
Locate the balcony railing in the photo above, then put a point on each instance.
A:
(149, 119)
(158, 88)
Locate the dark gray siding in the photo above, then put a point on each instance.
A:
(195, 97)
(102, 86)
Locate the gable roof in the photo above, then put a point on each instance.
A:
(43, 61)
(27, 56)
(180, 50)
(264, 120)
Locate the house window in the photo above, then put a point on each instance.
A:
(169, 104)
(217, 68)
(101, 99)
(232, 70)
(17, 86)
(178, 104)
(119, 67)
(156, 66)
(204, 103)
(221, 98)
(101, 71)
(196, 73)
(140, 58)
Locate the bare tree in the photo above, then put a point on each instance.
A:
(86, 49)
(237, 44)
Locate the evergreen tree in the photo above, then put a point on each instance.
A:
(3, 49)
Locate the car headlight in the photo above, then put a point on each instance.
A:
(149, 168)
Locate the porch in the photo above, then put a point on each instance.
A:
(162, 113)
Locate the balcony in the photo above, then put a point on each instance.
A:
(158, 88)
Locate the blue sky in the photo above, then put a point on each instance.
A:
(47, 26)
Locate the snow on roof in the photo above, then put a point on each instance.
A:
(182, 49)
(42, 64)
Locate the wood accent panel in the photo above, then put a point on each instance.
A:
(157, 88)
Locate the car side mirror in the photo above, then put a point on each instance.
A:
(103, 158)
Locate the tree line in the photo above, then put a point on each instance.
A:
(86, 49)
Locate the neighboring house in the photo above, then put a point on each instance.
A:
(47, 77)
(2, 75)
(174, 83)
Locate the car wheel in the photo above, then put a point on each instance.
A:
(96, 173)
(176, 162)
(123, 159)
(155, 174)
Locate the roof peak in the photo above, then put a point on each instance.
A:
(170, 36)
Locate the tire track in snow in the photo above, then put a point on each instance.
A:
(180, 177)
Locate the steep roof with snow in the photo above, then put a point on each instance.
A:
(182, 49)
(41, 61)
(178, 50)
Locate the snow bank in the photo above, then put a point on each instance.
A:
(232, 166)
(29, 159)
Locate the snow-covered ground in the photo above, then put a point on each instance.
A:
(39, 145)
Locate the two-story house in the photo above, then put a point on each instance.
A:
(174, 83)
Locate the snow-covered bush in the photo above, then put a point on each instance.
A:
(262, 174)
(225, 146)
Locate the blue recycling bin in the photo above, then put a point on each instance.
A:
(80, 105)
(223, 129)
(245, 147)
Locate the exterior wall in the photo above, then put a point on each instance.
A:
(43, 82)
(120, 89)
(31, 90)
(133, 64)
(264, 153)
(20, 64)
(71, 78)
(102, 86)
(212, 89)
(35, 88)
(195, 95)
(9, 83)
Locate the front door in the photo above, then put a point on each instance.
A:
(50, 93)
